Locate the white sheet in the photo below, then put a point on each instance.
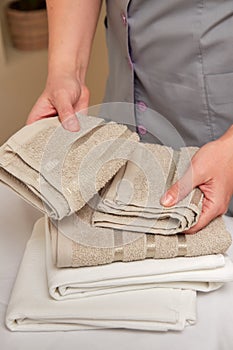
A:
(32, 309)
(215, 310)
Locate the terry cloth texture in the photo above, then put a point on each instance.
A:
(75, 242)
(31, 308)
(58, 171)
(131, 201)
(205, 273)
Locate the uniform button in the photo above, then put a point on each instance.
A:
(124, 18)
(141, 106)
(141, 129)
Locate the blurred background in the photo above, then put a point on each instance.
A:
(23, 74)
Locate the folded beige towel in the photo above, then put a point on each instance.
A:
(132, 200)
(76, 243)
(58, 171)
(201, 273)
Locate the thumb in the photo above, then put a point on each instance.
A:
(66, 112)
(180, 189)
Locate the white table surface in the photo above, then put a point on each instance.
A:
(213, 331)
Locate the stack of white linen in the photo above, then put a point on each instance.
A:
(155, 295)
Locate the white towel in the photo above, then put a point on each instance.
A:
(31, 308)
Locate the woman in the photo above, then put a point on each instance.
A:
(171, 56)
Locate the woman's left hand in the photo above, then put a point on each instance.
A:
(211, 170)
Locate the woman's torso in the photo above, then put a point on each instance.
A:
(173, 59)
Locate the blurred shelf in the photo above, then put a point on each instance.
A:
(8, 54)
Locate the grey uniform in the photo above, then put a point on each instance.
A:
(173, 57)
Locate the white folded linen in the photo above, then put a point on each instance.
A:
(203, 273)
(31, 308)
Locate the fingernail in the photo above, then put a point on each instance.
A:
(71, 124)
(167, 199)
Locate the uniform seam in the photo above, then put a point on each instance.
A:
(129, 52)
(201, 59)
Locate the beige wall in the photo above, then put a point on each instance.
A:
(98, 68)
(23, 76)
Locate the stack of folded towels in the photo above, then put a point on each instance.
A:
(106, 254)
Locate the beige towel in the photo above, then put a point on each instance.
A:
(132, 200)
(76, 243)
(58, 171)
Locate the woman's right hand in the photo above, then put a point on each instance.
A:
(71, 32)
(64, 95)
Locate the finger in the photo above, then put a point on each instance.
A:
(66, 112)
(42, 109)
(71, 123)
(180, 189)
(209, 212)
